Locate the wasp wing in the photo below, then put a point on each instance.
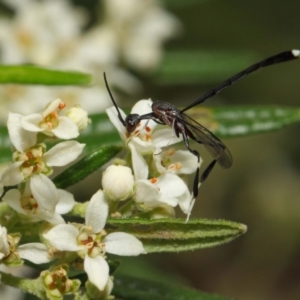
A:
(203, 136)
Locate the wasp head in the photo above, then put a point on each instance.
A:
(131, 122)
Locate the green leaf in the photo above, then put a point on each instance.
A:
(126, 287)
(86, 166)
(182, 67)
(233, 121)
(174, 235)
(24, 74)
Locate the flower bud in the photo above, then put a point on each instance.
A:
(79, 116)
(118, 182)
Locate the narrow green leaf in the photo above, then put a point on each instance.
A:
(226, 121)
(189, 66)
(232, 121)
(25, 74)
(174, 235)
(86, 166)
(126, 287)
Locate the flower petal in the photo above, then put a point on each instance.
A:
(31, 122)
(142, 107)
(12, 198)
(139, 165)
(188, 161)
(146, 193)
(97, 212)
(125, 244)
(66, 202)
(63, 237)
(12, 175)
(66, 129)
(171, 185)
(175, 162)
(113, 116)
(34, 252)
(52, 218)
(143, 147)
(51, 107)
(165, 137)
(21, 138)
(185, 202)
(63, 153)
(97, 270)
(44, 192)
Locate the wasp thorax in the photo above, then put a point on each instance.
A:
(132, 122)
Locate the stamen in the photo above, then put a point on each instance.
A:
(62, 105)
(153, 180)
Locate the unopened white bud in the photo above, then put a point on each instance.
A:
(79, 116)
(118, 182)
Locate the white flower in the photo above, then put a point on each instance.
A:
(20, 138)
(140, 29)
(22, 41)
(35, 161)
(167, 189)
(50, 123)
(145, 139)
(130, 31)
(31, 158)
(118, 183)
(91, 242)
(40, 201)
(34, 252)
(176, 161)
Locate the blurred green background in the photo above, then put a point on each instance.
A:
(262, 188)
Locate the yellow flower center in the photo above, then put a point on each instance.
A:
(92, 241)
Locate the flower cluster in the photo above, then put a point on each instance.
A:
(149, 183)
(114, 41)
(91, 241)
(157, 184)
(31, 196)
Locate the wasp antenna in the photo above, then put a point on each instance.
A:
(296, 52)
(113, 100)
(272, 60)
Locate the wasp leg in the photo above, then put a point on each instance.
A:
(206, 172)
(197, 154)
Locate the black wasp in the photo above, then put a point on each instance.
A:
(165, 113)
